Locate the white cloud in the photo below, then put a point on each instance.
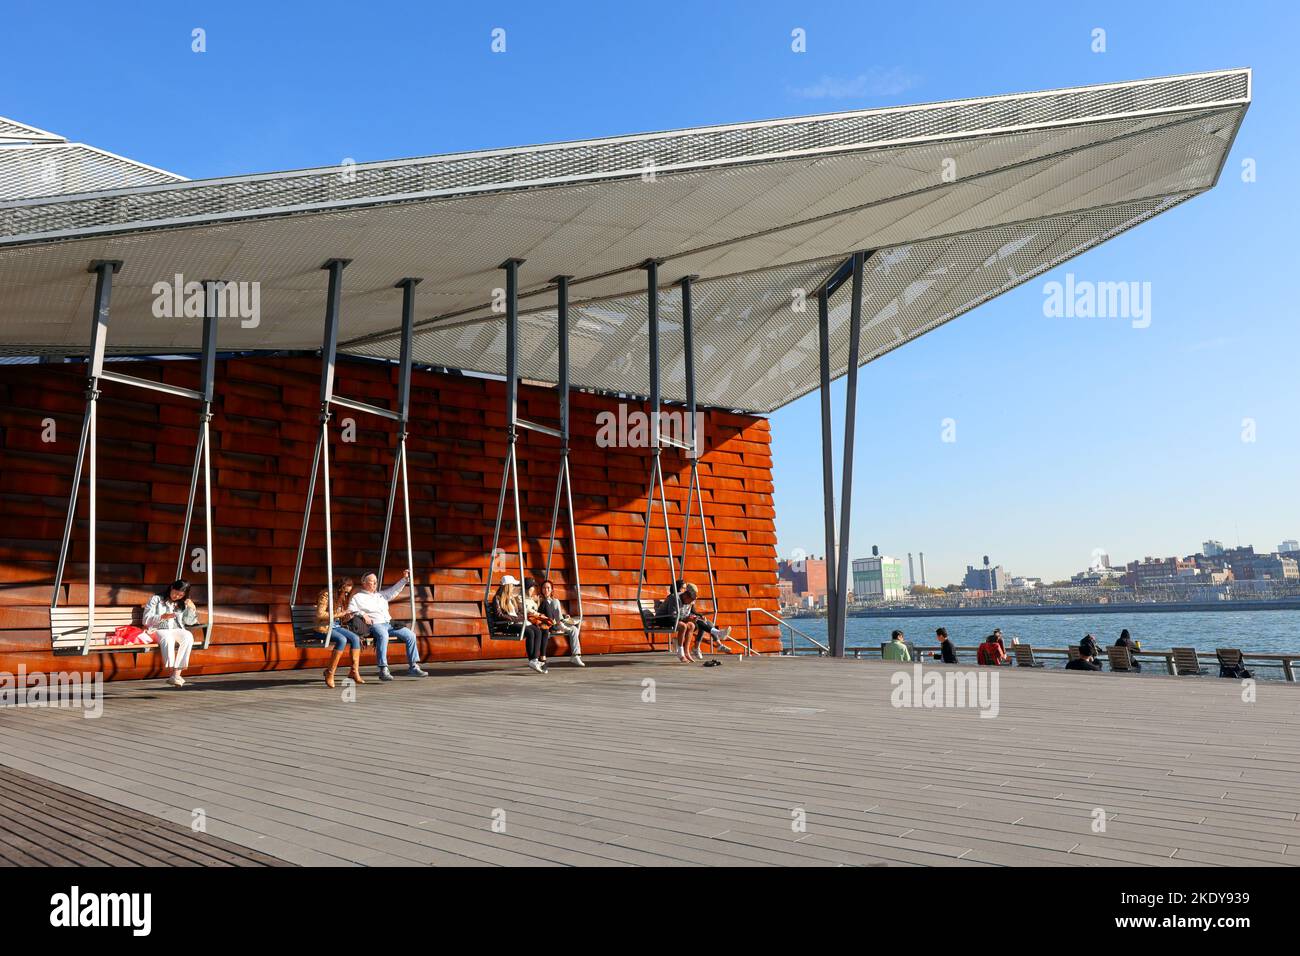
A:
(875, 82)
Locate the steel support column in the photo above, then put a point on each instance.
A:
(850, 422)
(828, 463)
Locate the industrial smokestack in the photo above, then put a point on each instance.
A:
(922, 569)
(911, 572)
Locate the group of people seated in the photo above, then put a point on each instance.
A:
(993, 652)
(677, 611)
(1090, 652)
(348, 615)
(538, 615)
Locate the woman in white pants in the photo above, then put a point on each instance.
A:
(169, 616)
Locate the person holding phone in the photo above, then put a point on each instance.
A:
(371, 604)
(168, 616)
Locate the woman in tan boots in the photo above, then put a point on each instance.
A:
(330, 621)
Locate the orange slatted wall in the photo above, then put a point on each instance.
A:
(264, 433)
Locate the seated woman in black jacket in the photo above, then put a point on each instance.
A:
(1126, 641)
(510, 606)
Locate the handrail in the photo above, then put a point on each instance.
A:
(782, 623)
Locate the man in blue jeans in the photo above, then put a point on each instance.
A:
(372, 604)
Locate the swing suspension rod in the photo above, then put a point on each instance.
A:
(87, 446)
(401, 414)
(693, 445)
(515, 423)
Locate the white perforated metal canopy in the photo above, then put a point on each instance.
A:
(960, 201)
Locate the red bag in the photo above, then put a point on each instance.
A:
(128, 634)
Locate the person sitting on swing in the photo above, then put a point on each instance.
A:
(670, 612)
(510, 607)
(169, 617)
(703, 626)
(563, 626)
(331, 616)
(372, 604)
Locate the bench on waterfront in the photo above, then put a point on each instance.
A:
(1120, 658)
(1024, 654)
(70, 624)
(1185, 661)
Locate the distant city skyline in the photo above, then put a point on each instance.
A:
(1013, 570)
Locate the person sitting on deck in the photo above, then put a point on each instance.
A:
(331, 615)
(992, 652)
(1088, 646)
(372, 604)
(1126, 641)
(168, 616)
(703, 626)
(1084, 662)
(947, 652)
(896, 650)
(564, 626)
(510, 608)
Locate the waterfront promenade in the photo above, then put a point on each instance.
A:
(636, 760)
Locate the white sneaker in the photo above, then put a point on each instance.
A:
(535, 666)
(577, 661)
(723, 634)
(176, 681)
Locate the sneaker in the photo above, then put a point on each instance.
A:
(723, 634)
(577, 661)
(176, 681)
(415, 671)
(535, 666)
(384, 675)
(545, 669)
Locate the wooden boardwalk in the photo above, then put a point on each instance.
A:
(771, 761)
(44, 824)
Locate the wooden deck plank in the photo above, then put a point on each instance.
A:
(713, 772)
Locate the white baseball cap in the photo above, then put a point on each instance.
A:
(509, 579)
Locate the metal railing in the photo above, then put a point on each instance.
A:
(821, 649)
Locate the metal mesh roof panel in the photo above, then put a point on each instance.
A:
(11, 131)
(41, 170)
(757, 210)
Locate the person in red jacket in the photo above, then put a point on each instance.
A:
(992, 652)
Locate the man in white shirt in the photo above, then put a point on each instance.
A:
(372, 604)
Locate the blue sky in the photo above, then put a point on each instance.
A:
(1072, 434)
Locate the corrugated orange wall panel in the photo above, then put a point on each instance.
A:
(263, 437)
